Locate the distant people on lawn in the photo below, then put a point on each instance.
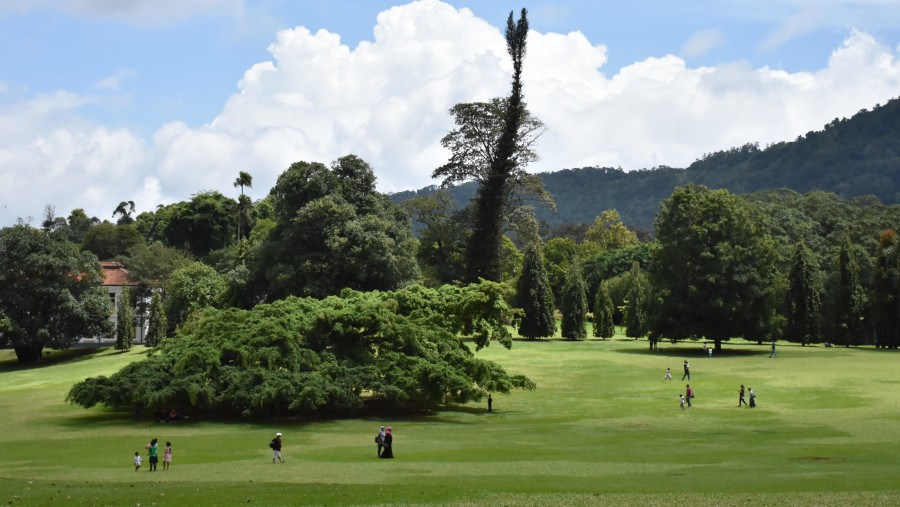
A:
(709, 351)
(741, 396)
(388, 451)
(167, 456)
(752, 398)
(275, 444)
(152, 452)
(681, 396)
(688, 393)
(668, 375)
(687, 371)
(137, 461)
(490, 403)
(773, 354)
(379, 439)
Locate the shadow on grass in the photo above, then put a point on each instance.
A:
(693, 352)
(52, 358)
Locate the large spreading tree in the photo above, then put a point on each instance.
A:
(332, 355)
(50, 293)
(714, 270)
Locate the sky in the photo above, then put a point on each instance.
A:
(153, 101)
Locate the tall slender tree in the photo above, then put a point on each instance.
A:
(804, 303)
(483, 247)
(603, 313)
(848, 299)
(125, 321)
(244, 179)
(535, 297)
(636, 320)
(156, 328)
(574, 305)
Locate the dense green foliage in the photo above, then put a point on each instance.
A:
(714, 269)
(192, 288)
(442, 240)
(107, 241)
(333, 231)
(199, 226)
(50, 293)
(306, 355)
(535, 297)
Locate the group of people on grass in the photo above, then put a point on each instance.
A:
(153, 456)
(686, 398)
(384, 439)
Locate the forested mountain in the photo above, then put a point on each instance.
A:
(849, 157)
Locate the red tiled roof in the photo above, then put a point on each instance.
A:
(114, 273)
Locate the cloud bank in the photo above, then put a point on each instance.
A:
(386, 100)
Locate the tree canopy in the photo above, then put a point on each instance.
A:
(714, 269)
(334, 231)
(50, 294)
(299, 356)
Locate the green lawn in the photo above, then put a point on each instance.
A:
(601, 429)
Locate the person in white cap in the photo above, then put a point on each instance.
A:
(276, 448)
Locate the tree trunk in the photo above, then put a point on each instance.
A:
(28, 354)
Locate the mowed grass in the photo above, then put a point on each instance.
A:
(603, 428)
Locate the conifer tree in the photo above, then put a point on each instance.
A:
(803, 304)
(156, 331)
(535, 297)
(125, 321)
(603, 313)
(849, 299)
(636, 307)
(574, 305)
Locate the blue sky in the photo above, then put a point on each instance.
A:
(152, 101)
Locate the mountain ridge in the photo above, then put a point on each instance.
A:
(849, 157)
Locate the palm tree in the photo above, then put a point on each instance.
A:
(244, 179)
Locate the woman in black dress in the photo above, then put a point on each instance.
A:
(388, 451)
